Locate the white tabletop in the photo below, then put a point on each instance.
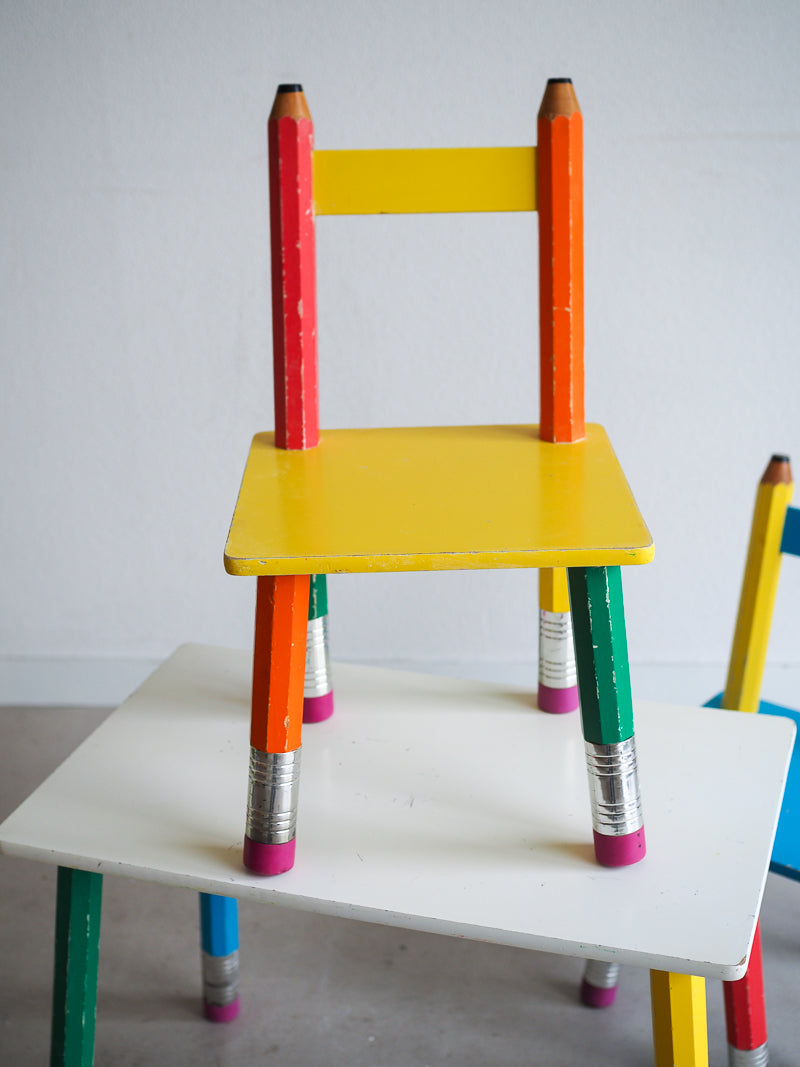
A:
(431, 803)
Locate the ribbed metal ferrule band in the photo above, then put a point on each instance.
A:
(614, 787)
(272, 800)
(601, 974)
(318, 669)
(556, 650)
(221, 978)
(748, 1057)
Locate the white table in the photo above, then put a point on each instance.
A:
(434, 804)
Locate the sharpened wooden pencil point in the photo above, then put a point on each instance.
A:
(778, 472)
(559, 99)
(290, 102)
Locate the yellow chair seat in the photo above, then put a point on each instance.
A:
(434, 498)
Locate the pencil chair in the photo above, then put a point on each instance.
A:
(775, 532)
(302, 467)
(305, 184)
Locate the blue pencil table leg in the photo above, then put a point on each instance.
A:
(78, 905)
(219, 931)
(601, 653)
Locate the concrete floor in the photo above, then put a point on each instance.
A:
(322, 991)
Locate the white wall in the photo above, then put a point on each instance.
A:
(134, 335)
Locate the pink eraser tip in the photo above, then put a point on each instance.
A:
(593, 997)
(619, 851)
(318, 709)
(222, 1013)
(557, 701)
(268, 859)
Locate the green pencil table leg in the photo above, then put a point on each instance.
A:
(75, 979)
(604, 684)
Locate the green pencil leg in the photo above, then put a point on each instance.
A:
(604, 684)
(78, 906)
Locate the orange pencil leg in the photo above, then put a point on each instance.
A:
(276, 722)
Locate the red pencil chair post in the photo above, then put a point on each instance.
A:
(284, 605)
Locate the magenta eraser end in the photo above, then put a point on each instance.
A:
(558, 701)
(222, 1013)
(318, 709)
(268, 859)
(619, 851)
(593, 997)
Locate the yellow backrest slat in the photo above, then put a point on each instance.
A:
(422, 180)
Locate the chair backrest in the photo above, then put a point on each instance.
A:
(305, 183)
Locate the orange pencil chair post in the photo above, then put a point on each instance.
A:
(561, 333)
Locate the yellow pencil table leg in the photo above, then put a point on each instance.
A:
(680, 1031)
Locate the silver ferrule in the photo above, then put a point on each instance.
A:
(556, 650)
(318, 668)
(272, 800)
(221, 978)
(601, 974)
(614, 787)
(748, 1057)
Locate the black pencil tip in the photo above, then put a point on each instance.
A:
(559, 81)
(290, 87)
